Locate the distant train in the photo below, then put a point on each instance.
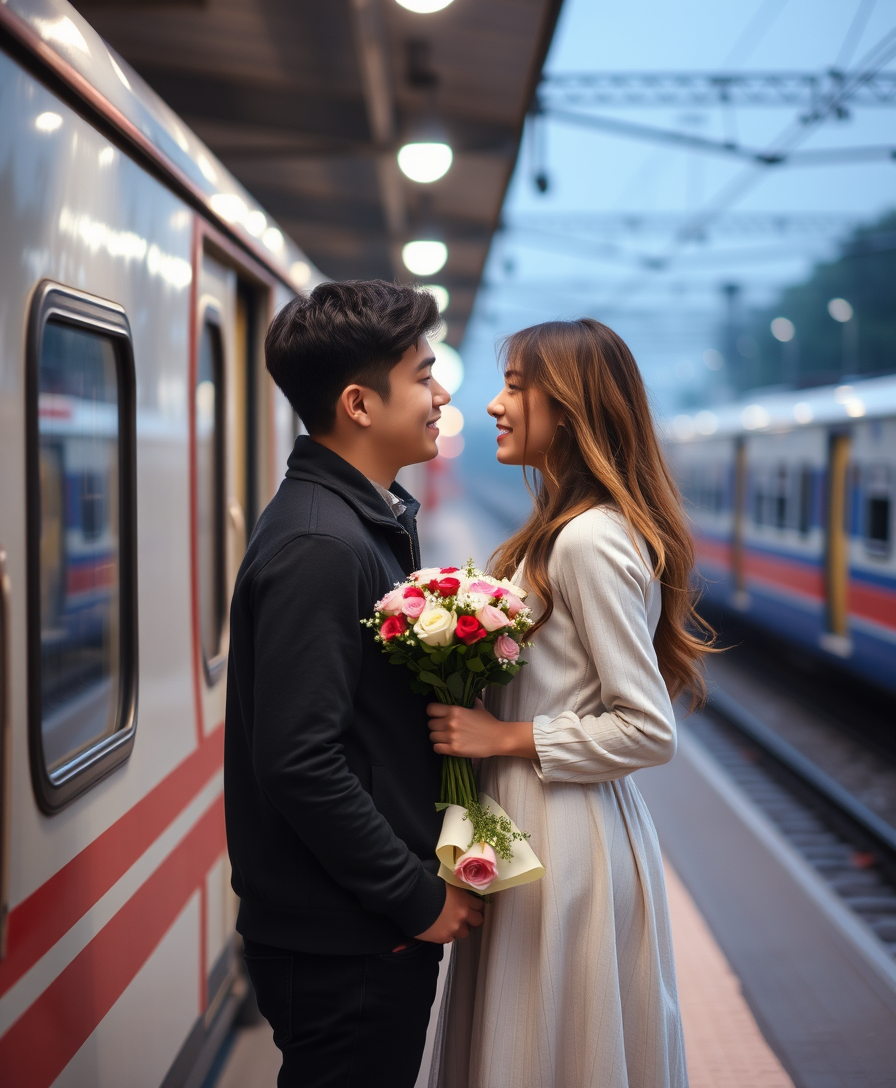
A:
(140, 435)
(792, 498)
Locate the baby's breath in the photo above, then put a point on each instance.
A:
(495, 830)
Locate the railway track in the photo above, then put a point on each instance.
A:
(851, 847)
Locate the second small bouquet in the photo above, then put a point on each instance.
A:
(457, 631)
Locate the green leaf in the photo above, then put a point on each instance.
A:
(456, 686)
(441, 806)
(503, 678)
(396, 659)
(461, 649)
(474, 664)
(431, 678)
(418, 688)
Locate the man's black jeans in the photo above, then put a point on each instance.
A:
(346, 1021)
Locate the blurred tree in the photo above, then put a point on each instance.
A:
(824, 350)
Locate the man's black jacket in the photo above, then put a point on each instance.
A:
(330, 780)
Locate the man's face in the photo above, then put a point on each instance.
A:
(406, 428)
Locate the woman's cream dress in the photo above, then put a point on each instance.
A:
(570, 983)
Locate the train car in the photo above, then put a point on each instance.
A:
(139, 437)
(792, 500)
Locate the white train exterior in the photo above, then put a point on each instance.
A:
(792, 499)
(139, 433)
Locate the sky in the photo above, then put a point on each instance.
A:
(547, 262)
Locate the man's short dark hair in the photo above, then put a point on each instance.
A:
(341, 334)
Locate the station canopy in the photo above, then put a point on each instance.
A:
(307, 102)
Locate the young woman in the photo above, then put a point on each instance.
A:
(571, 981)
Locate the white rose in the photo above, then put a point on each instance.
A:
(436, 626)
(425, 576)
(507, 584)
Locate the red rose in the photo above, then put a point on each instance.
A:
(448, 570)
(393, 626)
(413, 591)
(468, 630)
(447, 587)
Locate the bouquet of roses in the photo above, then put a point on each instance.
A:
(458, 631)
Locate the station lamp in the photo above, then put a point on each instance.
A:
(424, 7)
(426, 161)
(448, 369)
(783, 329)
(840, 310)
(425, 257)
(440, 294)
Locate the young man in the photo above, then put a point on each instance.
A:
(330, 780)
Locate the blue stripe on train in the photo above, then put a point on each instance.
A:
(872, 657)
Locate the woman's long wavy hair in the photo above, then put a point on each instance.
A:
(605, 451)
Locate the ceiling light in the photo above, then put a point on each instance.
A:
(783, 329)
(425, 162)
(438, 334)
(424, 7)
(440, 294)
(256, 222)
(300, 271)
(840, 310)
(273, 239)
(452, 421)
(802, 412)
(448, 369)
(424, 258)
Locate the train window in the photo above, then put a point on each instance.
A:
(82, 625)
(804, 507)
(780, 498)
(878, 510)
(209, 417)
(758, 502)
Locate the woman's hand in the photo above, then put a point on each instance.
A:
(457, 731)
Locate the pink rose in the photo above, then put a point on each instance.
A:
(478, 867)
(391, 603)
(485, 587)
(492, 618)
(413, 606)
(506, 649)
(514, 604)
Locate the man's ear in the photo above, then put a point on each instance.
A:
(352, 404)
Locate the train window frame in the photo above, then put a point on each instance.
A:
(873, 489)
(67, 306)
(214, 666)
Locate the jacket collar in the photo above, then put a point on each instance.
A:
(316, 464)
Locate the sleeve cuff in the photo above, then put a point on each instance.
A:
(541, 733)
(418, 910)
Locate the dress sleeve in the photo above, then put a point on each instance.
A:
(603, 580)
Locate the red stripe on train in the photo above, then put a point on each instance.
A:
(38, 922)
(82, 579)
(875, 603)
(42, 1042)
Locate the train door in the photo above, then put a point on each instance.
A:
(836, 636)
(739, 501)
(225, 484)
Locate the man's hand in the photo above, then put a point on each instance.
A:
(461, 913)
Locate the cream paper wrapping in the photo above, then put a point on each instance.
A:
(523, 868)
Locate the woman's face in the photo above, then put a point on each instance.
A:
(517, 444)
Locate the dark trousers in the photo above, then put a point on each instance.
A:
(346, 1021)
